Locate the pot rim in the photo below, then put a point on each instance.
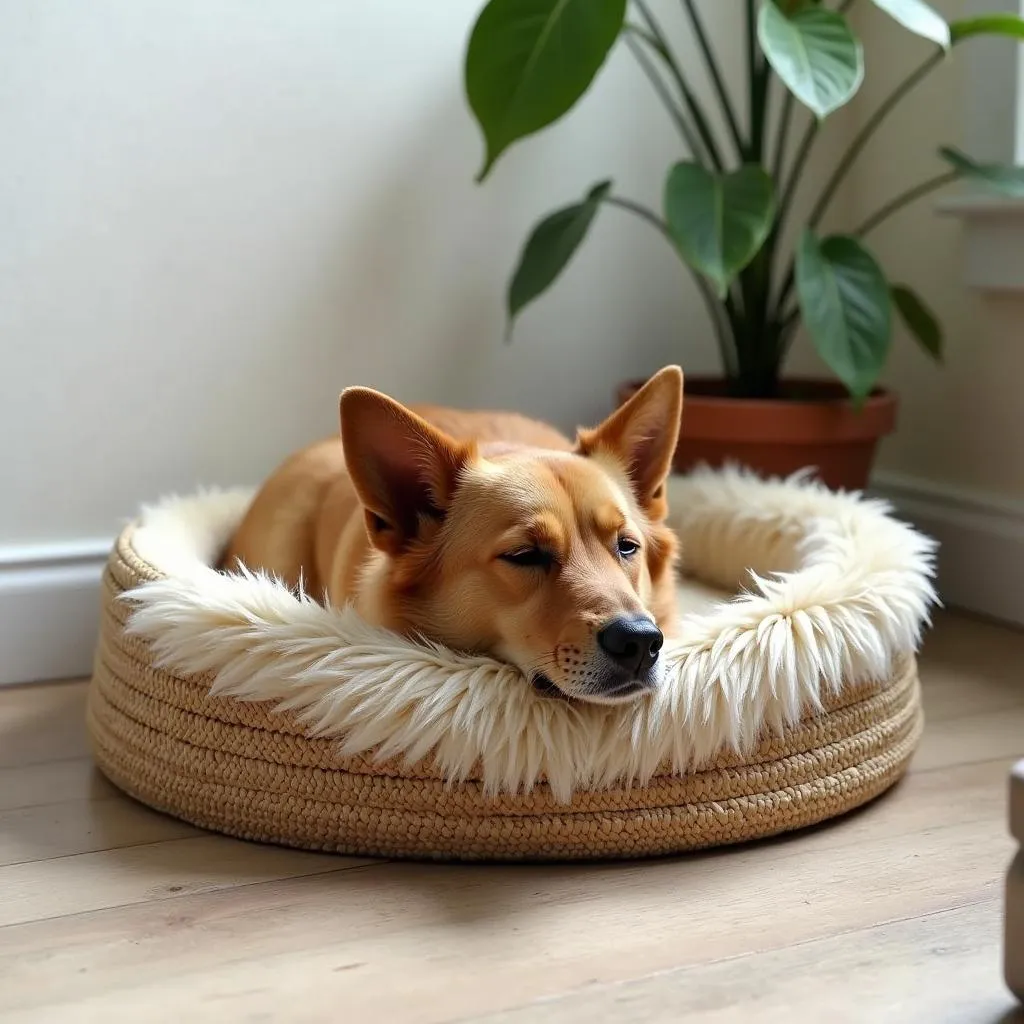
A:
(787, 421)
(878, 396)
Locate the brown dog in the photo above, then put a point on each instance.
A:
(489, 533)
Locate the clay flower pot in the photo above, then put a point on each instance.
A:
(813, 424)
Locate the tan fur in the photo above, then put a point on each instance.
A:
(409, 516)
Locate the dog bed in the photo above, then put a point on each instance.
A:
(791, 695)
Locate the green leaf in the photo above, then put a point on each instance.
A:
(846, 308)
(550, 247)
(919, 319)
(814, 52)
(1006, 179)
(529, 61)
(919, 18)
(719, 221)
(987, 25)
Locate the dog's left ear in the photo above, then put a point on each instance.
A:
(642, 435)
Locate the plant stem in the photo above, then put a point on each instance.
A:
(862, 137)
(860, 140)
(685, 129)
(717, 80)
(786, 202)
(796, 171)
(904, 199)
(782, 138)
(758, 84)
(715, 309)
(639, 210)
(751, 40)
(660, 42)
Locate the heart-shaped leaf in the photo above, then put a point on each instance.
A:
(529, 61)
(920, 320)
(814, 52)
(550, 247)
(846, 308)
(1008, 25)
(1006, 179)
(719, 221)
(919, 18)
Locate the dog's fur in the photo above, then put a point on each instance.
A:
(486, 532)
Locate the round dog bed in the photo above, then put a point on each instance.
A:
(791, 695)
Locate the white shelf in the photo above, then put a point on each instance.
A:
(993, 240)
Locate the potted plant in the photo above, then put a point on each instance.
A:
(725, 208)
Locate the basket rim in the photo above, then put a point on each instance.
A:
(846, 611)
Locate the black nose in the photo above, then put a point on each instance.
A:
(632, 641)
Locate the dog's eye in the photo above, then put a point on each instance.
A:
(627, 547)
(529, 558)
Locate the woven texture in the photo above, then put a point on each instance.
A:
(245, 770)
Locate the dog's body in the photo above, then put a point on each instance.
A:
(488, 532)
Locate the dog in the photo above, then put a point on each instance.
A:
(489, 533)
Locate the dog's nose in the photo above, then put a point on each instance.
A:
(632, 641)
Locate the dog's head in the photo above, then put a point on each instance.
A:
(558, 562)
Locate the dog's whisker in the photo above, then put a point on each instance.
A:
(543, 665)
(546, 663)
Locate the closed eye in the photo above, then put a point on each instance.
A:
(529, 558)
(627, 547)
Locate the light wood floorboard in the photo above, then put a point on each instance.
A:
(109, 911)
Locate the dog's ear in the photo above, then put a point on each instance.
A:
(404, 470)
(642, 436)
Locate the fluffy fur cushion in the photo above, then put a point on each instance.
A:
(827, 590)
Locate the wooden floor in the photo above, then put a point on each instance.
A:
(109, 911)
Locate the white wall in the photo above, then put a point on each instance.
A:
(961, 425)
(956, 463)
(217, 213)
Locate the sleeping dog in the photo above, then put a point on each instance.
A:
(489, 533)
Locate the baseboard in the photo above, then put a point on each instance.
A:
(49, 609)
(981, 538)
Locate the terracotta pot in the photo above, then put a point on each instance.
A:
(814, 424)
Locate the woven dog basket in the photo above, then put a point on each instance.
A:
(252, 772)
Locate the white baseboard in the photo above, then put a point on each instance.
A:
(49, 609)
(981, 538)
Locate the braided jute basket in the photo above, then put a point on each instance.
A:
(235, 705)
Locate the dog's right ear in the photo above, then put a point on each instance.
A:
(404, 470)
(642, 435)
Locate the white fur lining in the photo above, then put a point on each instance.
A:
(836, 592)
